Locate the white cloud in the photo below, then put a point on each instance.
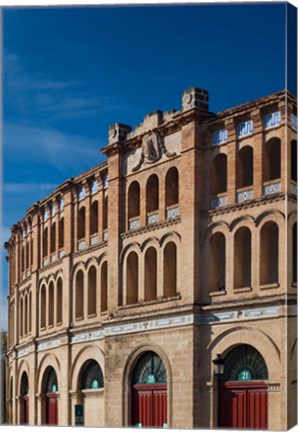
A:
(20, 188)
(47, 146)
(50, 97)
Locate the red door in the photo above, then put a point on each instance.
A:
(149, 405)
(25, 410)
(244, 406)
(52, 409)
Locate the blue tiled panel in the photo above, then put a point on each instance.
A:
(271, 120)
(294, 121)
(94, 187)
(82, 193)
(220, 136)
(245, 128)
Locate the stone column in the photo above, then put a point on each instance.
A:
(231, 161)
(258, 149)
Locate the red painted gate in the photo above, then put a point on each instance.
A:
(244, 406)
(52, 409)
(149, 405)
(25, 410)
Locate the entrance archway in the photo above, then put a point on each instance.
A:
(149, 392)
(24, 400)
(50, 390)
(244, 393)
(91, 393)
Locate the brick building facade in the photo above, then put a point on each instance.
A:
(128, 281)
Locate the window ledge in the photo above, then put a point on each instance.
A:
(93, 315)
(242, 289)
(269, 286)
(151, 302)
(217, 293)
(93, 392)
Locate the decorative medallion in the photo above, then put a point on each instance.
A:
(152, 149)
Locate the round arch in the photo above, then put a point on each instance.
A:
(229, 339)
(129, 368)
(49, 360)
(85, 354)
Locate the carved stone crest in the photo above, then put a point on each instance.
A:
(152, 149)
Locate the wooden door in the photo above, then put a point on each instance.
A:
(149, 405)
(244, 406)
(25, 410)
(52, 409)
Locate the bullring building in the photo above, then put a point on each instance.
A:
(158, 289)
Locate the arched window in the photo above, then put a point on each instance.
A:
(132, 278)
(27, 255)
(245, 363)
(43, 306)
(294, 161)
(31, 254)
(245, 167)
(149, 370)
(294, 254)
(150, 274)
(170, 270)
(271, 167)
(92, 376)
(92, 289)
(79, 295)
(51, 382)
(152, 197)
(219, 182)
(45, 242)
(51, 304)
(24, 400)
(105, 213)
(81, 223)
(53, 237)
(24, 384)
(242, 258)
(21, 317)
(134, 200)
(94, 218)
(104, 287)
(22, 259)
(172, 187)
(269, 254)
(59, 304)
(30, 312)
(217, 266)
(26, 315)
(61, 233)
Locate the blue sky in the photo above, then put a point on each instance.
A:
(71, 72)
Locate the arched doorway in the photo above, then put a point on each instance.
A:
(91, 393)
(51, 397)
(149, 392)
(243, 398)
(24, 400)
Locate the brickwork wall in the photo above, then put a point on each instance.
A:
(188, 142)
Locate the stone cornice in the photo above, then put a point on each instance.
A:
(151, 227)
(245, 205)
